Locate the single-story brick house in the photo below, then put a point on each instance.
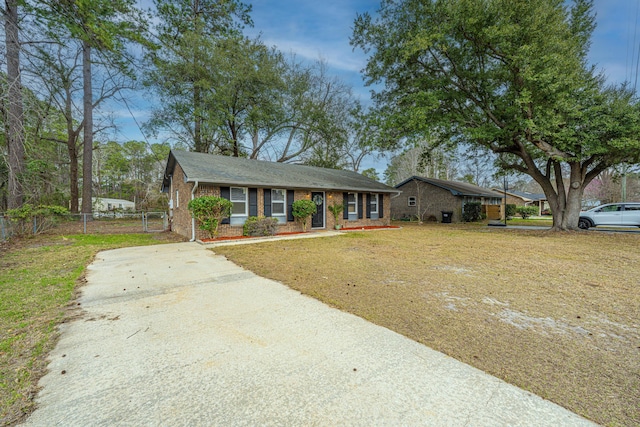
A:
(524, 198)
(428, 198)
(260, 188)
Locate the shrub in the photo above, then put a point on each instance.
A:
(511, 210)
(260, 226)
(472, 212)
(526, 211)
(28, 218)
(302, 210)
(209, 211)
(336, 209)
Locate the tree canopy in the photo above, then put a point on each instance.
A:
(507, 75)
(73, 64)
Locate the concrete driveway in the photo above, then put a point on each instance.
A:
(175, 335)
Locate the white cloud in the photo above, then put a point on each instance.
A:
(338, 57)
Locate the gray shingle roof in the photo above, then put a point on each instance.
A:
(241, 172)
(456, 188)
(535, 197)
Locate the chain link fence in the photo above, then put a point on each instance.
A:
(96, 223)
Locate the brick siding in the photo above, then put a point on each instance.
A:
(432, 201)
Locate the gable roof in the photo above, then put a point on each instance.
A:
(524, 195)
(456, 188)
(242, 172)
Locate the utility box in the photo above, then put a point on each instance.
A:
(446, 217)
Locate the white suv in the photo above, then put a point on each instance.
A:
(617, 214)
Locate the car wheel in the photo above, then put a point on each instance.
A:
(584, 224)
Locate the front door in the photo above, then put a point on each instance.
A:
(317, 220)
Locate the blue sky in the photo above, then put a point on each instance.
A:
(321, 29)
(314, 30)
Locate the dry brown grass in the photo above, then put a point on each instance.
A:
(557, 314)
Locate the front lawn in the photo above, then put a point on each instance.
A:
(535, 221)
(554, 313)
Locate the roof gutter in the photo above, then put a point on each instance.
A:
(193, 219)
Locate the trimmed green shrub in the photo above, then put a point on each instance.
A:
(302, 210)
(260, 226)
(472, 212)
(511, 210)
(526, 211)
(209, 211)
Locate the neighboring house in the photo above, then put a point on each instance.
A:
(428, 198)
(259, 188)
(524, 198)
(103, 204)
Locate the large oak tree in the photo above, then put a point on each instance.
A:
(508, 75)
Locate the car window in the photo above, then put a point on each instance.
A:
(610, 208)
(632, 207)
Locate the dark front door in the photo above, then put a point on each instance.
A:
(317, 220)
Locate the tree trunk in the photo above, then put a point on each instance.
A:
(73, 173)
(565, 202)
(15, 128)
(234, 137)
(197, 124)
(72, 150)
(87, 152)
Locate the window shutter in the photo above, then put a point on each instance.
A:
(253, 202)
(380, 206)
(290, 206)
(345, 203)
(360, 202)
(225, 193)
(267, 202)
(368, 205)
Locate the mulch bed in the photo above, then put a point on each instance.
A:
(223, 239)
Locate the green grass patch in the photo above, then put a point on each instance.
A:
(39, 278)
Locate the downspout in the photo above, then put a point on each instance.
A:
(193, 220)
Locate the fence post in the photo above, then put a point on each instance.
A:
(4, 237)
(144, 225)
(84, 218)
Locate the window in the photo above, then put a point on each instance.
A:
(610, 208)
(412, 201)
(239, 200)
(374, 204)
(352, 205)
(278, 202)
(632, 207)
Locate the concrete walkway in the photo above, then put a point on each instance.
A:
(175, 335)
